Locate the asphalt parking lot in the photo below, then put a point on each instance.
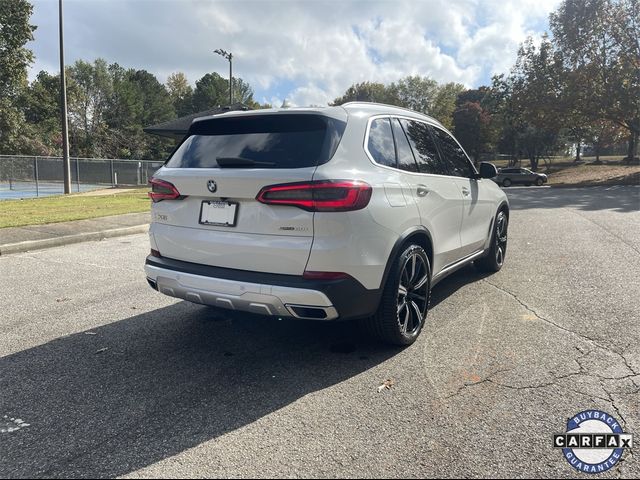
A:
(109, 378)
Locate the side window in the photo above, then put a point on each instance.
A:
(406, 161)
(423, 147)
(453, 154)
(380, 143)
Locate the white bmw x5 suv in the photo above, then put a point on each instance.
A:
(344, 212)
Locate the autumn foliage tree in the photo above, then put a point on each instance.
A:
(598, 42)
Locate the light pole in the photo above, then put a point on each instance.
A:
(228, 56)
(66, 165)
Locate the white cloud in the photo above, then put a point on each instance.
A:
(309, 52)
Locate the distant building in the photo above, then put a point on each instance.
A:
(178, 128)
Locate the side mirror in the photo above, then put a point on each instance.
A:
(488, 170)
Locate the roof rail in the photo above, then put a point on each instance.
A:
(356, 102)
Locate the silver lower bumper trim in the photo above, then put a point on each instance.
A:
(243, 296)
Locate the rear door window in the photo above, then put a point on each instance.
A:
(259, 141)
(380, 144)
(406, 160)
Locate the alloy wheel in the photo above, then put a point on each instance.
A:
(413, 294)
(501, 237)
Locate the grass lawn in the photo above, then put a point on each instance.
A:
(37, 211)
(566, 172)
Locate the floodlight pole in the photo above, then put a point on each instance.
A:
(228, 56)
(66, 165)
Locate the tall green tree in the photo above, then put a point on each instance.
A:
(40, 104)
(89, 92)
(138, 100)
(242, 91)
(422, 94)
(212, 91)
(445, 103)
(181, 93)
(15, 32)
(528, 101)
(472, 127)
(368, 92)
(416, 92)
(599, 43)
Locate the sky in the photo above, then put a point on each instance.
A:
(306, 51)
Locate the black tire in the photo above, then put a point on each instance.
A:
(494, 259)
(506, 182)
(539, 182)
(405, 299)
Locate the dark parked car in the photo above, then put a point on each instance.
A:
(522, 176)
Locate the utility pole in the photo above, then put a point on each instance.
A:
(228, 56)
(66, 165)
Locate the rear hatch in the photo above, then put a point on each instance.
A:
(220, 168)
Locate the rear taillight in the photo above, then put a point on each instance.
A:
(319, 196)
(161, 190)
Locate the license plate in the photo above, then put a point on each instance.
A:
(222, 214)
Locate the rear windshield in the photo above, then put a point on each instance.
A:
(260, 141)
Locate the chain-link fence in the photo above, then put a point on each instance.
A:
(31, 176)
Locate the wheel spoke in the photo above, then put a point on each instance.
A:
(421, 282)
(418, 297)
(418, 313)
(405, 276)
(413, 268)
(402, 290)
(401, 306)
(405, 325)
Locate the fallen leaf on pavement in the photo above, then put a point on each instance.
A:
(387, 384)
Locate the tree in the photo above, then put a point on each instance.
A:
(422, 94)
(15, 32)
(445, 103)
(416, 92)
(212, 90)
(603, 134)
(181, 93)
(528, 100)
(242, 91)
(89, 92)
(599, 43)
(472, 127)
(138, 100)
(368, 92)
(40, 103)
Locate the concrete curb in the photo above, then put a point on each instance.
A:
(69, 239)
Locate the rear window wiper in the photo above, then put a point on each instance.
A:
(241, 162)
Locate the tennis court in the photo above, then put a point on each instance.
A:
(15, 190)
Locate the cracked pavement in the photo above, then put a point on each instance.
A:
(113, 379)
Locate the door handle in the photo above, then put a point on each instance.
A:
(422, 191)
(465, 191)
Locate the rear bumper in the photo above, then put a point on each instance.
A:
(262, 293)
